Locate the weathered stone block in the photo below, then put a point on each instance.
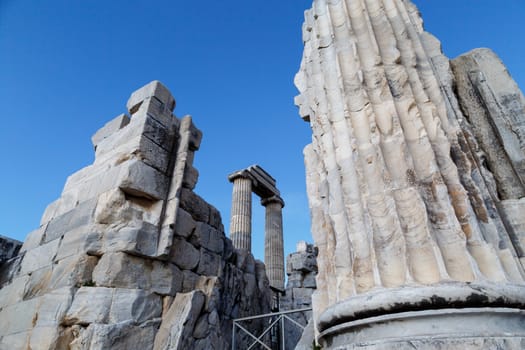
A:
(208, 237)
(141, 180)
(135, 240)
(53, 307)
(134, 305)
(190, 280)
(184, 254)
(210, 263)
(33, 239)
(121, 270)
(215, 219)
(178, 323)
(153, 89)
(184, 224)
(191, 175)
(41, 256)
(90, 305)
(197, 207)
(119, 336)
(14, 292)
(75, 270)
(81, 215)
(166, 278)
(84, 239)
(109, 129)
(8, 248)
(18, 317)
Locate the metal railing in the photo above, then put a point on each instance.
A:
(277, 322)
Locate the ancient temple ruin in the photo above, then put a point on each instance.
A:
(415, 184)
(255, 179)
(130, 257)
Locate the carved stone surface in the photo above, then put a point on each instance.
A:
(398, 193)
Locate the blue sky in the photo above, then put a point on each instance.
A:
(67, 67)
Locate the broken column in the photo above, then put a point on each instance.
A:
(273, 241)
(405, 219)
(241, 212)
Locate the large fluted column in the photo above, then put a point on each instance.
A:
(273, 241)
(411, 242)
(241, 213)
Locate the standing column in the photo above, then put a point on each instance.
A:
(273, 241)
(241, 212)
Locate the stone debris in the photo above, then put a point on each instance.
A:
(129, 257)
(414, 177)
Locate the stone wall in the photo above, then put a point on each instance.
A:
(129, 257)
(8, 248)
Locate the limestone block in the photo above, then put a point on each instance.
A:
(121, 270)
(41, 256)
(295, 280)
(33, 239)
(166, 278)
(195, 138)
(184, 224)
(309, 280)
(141, 180)
(119, 336)
(202, 327)
(13, 292)
(245, 261)
(208, 237)
(39, 282)
(75, 270)
(184, 254)
(9, 248)
(304, 262)
(156, 109)
(195, 205)
(15, 341)
(49, 338)
(134, 305)
(191, 176)
(215, 219)
(53, 307)
(153, 89)
(49, 212)
(81, 215)
(10, 269)
(84, 239)
(109, 129)
(302, 296)
(178, 323)
(190, 280)
(209, 264)
(140, 240)
(228, 251)
(90, 305)
(19, 317)
(130, 143)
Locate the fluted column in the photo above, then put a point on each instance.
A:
(273, 241)
(241, 213)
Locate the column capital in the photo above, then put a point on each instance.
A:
(272, 199)
(243, 174)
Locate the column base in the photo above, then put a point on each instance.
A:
(446, 316)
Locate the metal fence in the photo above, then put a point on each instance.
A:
(276, 325)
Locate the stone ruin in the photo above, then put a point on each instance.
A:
(129, 257)
(416, 186)
(415, 180)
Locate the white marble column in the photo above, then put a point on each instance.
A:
(273, 241)
(241, 213)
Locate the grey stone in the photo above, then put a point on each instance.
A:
(9, 248)
(201, 329)
(209, 263)
(81, 215)
(208, 237)
(41, 256)
(184, 224)
(184, 254)
(195, 205)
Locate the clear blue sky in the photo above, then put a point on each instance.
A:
(67, 67)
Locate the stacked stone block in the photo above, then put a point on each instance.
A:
(301, 268)
(129, 257)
